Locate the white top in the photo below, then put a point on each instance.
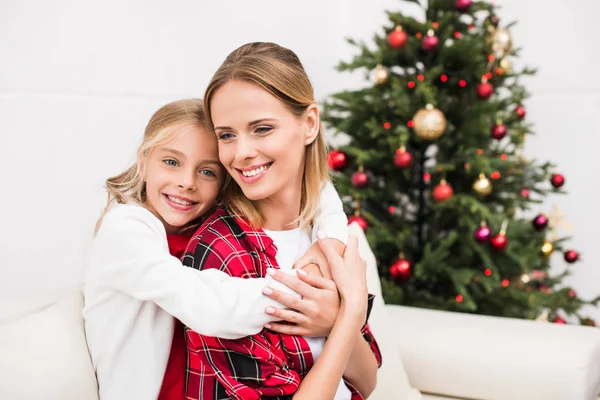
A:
(291, 245)
(134, 287)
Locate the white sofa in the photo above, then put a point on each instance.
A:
(426, 354)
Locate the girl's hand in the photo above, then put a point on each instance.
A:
(315, 255)
(312, 315)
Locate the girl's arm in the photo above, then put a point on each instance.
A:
(130, 254)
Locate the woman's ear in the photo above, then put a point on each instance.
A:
(312, 122)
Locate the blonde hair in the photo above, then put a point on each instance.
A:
(129, 186)
(278, 71)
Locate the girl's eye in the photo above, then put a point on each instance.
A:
(263, 129)
(208, 172)
(170, 162)
(226, 136)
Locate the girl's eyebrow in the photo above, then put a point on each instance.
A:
(170, 150)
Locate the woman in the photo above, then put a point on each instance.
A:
(261, 106)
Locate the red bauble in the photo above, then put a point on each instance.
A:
(336, 160)
(462, 5)
(360, 221)
(360, 180)
(557, 180)
(525, 193)
(499, 131)
(403, 158)
(401, 270)
(442, 192)
(520, 110)
(430, 43)
(571, 256)
(559, 320)
(482, 234)
(540, 222)
(499, 242)
(397, 38)
(485, 90)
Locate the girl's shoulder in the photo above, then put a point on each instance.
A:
(130, 216)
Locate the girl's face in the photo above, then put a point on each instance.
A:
(261, 142)
(183, 177)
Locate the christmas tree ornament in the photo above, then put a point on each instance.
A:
(540, 222)
(397, 38)
(506, 65)
(525, 193)
(381, 74)
(483, 233)
(499, 130)
(392, 210)
(559, 320)
(360, 179)
(499, 242)
(572, 293)
(501, 42)
(337, 160)
(402, 159)
(520, 111)
(482, 185)
(442, 192)
(462, 5)
(429, 123)
(430, 42)
(557, 180)
(492, 21)
(360, 221)
(547, 249)
(401, 270)
(485, 90)
(571, 256)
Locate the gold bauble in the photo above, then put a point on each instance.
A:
(482, 185)
(381, 74)
(505, 65)
(547, 248)
(429, 123)
(501, 41)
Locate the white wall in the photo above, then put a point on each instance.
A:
(79, 80)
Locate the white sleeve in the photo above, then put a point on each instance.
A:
(331, 218)
(130, 254)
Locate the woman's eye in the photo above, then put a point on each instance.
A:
(171, 162)
(207, 172)
(226, 136)
(263, 129)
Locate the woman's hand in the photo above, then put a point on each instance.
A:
(349, 273)
(312, 315)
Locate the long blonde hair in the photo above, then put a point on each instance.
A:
(129, 186)
(278, 71)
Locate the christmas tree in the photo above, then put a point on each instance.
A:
(433, 170)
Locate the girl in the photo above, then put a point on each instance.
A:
(261, 106)
(134, 286)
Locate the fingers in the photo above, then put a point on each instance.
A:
(318, 281)
(292, 282)
(287, 315)
(287, 329)
(304, 260)
(351, 251)
(328, 248)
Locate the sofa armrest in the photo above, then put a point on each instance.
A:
(480, 357)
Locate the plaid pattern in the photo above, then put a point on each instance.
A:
(267, 364)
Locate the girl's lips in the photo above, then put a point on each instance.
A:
(178, 206)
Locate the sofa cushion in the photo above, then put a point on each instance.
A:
(392, 381)
(45, 355)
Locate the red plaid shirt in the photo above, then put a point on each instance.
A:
(267, 364)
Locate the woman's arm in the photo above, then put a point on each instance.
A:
(130, 254)
(361, 370)
(349, 274)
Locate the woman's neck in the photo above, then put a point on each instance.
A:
(281, 210)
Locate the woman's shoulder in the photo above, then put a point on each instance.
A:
(219, 225)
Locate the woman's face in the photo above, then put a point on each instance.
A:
(261, 142)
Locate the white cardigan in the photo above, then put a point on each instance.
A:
(134, 288)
